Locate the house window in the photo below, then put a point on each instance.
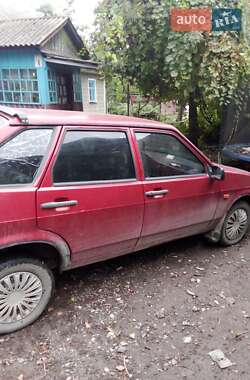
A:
(52, 87)
(77, 87)
(19, 86)
(92, 90)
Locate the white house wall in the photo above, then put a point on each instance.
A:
(100, 105)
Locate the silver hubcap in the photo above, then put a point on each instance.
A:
(20, 293)
(236, 224)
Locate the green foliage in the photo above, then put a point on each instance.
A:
(246, 20)
(46, 10)
(133, 40)
(116, 91)
(84, 53)
(150, 110)
(209, 117)
(117, 108)
(116, 96)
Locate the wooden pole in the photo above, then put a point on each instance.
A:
(128, 101)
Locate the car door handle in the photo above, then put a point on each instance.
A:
(156, 193)
(58, 204)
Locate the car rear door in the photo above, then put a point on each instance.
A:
(180, 197)
(91, 195)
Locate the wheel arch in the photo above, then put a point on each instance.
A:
(242, 198)
(214, 235)
(55, 254)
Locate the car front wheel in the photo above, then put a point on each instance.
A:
(236, 224)
(26, 286)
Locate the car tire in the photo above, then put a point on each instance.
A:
(26, 287)
(236, 224)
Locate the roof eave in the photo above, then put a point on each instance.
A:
(19, 46)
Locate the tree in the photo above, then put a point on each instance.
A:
(69, 9)
(46, 9)
(133, 39)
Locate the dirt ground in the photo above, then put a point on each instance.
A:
(152, 315)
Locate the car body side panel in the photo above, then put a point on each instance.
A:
(235, 186)
(107, 220)
(18, 211)
(187, 209)
(105, 223)
(18, 223)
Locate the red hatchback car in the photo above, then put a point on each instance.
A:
(79, 188)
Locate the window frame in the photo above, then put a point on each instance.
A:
(13, 81)
(51, 74)
(101, 182)
(45, 157)
(94, 80)
(77, 87)
(182, 141)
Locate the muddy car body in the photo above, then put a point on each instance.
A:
(79, 188)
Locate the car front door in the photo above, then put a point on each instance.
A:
(91, 195)
(180, 197)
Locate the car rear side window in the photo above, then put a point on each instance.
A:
(165, 156)
(94, 156)
(21, 157)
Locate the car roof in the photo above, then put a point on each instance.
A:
(29, 116)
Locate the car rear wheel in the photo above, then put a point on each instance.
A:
(26, 286)
(236, 224)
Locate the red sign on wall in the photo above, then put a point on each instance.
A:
(191, 19)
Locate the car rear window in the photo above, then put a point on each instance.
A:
(21, 157)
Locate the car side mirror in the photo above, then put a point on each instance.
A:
(216, 172)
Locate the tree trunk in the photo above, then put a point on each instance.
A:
(181, 112)
(226, 134)
(193, 120)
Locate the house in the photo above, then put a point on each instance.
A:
(40, 66)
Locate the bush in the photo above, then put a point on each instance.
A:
(208, 117)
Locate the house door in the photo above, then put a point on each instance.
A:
(65, 92)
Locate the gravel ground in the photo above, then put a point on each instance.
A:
(152, 315)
